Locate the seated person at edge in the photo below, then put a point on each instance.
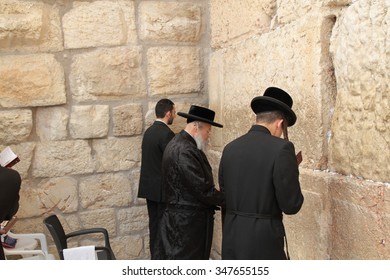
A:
(9, 199)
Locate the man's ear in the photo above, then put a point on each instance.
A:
(279, 123)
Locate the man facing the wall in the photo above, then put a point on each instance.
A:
(186, 225)
(259, 175)
(155, 139)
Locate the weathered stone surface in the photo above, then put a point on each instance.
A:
(59, 158)
(52, 123)
(217, 236)
(132, 219)
(55, 194)
(15, 125)
(359, 219)
(170, 21)
(361, 126)
(127, 247)
(174, 70)
(31, 80)
(29, 26)
(285, 14)
(100, 23)
(90, 121)
(107, 74)
(105, 191)
(30, 225)
(227, 27)
(243, 71)
(104, 218)
(127, 120)
(115, 154)
(309, 231)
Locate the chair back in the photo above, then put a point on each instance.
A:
(57, 232)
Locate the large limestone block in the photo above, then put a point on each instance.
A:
(127, 247)
(100, 23)
(107, 74)
(55, 194)
(51, 123)
(237, 20)
(361, 123)
(127, 120)
(286, 14)
(104, 218)
(32, 224)
(115, 154)
(309, 231)
(174, 70)
(59, 158)
(31, 80)
(89, 121)
(29, 26)
(132, 219)
(15, 125)
(105, 191)
(170, 21)
(359, 229)
(300, 66)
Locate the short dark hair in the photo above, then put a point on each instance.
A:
(163, 106)
(269, 116)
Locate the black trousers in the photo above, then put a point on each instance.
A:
(153, 212)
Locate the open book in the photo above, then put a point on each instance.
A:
(8, 158)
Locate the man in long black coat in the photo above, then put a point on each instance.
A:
(186, 225)
(259, 175)
(9, 198)
(154, 141)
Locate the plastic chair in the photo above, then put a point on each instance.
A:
(61, 239)
(26, 247)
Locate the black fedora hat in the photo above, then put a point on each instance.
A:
(275, 99)
(197, 113)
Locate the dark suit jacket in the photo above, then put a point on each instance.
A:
(259, 175)
(155, 139)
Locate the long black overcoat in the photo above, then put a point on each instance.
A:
(186, 225)
(259, 175)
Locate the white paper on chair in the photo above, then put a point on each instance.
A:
(80, 253)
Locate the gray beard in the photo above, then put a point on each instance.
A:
(200, 143)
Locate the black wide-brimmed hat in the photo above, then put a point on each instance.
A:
(197, 113)
(275, 99)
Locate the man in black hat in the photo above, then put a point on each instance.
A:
(186, 225)
(259, 176)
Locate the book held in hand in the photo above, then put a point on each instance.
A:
(8, 158)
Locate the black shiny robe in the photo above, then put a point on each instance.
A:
(186, 225)
(259, 175)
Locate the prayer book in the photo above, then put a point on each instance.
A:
(8, 158)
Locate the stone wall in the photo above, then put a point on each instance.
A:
(79, 81)
(78, 84)
(333, 58)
